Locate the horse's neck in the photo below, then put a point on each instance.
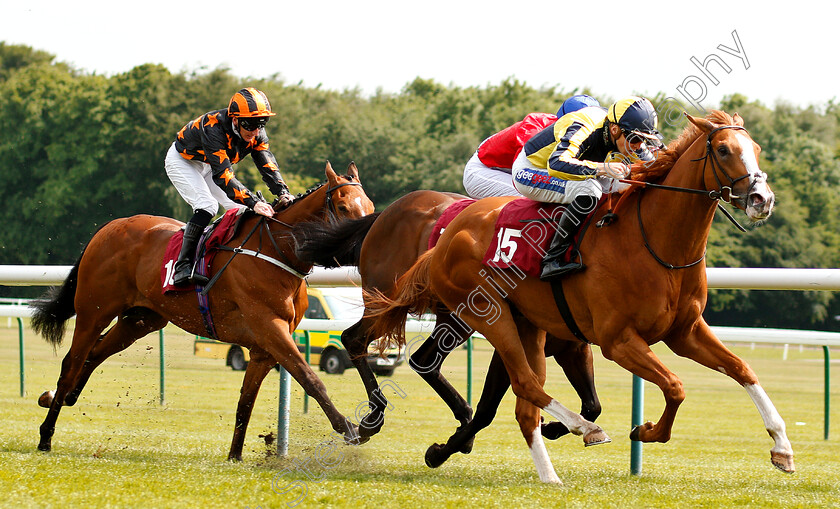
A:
(677, 224)
(311, 207)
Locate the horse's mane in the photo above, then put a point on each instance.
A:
(666, 158)
(312, 189)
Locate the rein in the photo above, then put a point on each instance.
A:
(722, 193)
(332, 215)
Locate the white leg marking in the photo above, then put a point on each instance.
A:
(772, 420)
(541, 460)
(576, 424)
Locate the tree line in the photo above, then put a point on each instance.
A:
(80, 149)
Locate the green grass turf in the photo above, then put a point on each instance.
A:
(118, 447)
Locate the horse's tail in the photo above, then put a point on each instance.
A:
(413, 295)
(55, 307)
(332, 244)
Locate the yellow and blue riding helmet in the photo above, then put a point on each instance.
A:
(636, 115)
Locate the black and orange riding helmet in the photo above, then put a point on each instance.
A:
(249, 102)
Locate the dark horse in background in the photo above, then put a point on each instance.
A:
(254, 303)
(644, 283)
(384, 246)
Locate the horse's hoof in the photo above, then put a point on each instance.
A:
(434, 456)
(636, 432)
(46, 447)
(367, 430)
(596, 437)
(235, 459)
(783, 461)
(358, 440)
(45, 400)
(467, 447)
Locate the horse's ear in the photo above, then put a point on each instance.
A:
(702, 123)
(332, 178)
(352, 171)
(738, 120)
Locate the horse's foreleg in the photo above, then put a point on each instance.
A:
(258, 367)
(282, 348)
(634, 355)
(702, 346)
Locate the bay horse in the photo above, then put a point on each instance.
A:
(644, 282)
(384, 246)
(254, 303)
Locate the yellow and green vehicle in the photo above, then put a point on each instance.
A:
(325, 348)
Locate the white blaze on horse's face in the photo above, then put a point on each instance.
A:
(360, 206)
(759, 199)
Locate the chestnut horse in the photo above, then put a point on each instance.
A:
(405, 227)
(255, 303)
(645, 282)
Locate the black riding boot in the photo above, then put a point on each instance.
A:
(184, 265)
(553, 265)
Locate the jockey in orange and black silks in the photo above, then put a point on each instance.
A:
(213, 139)
(200, 165)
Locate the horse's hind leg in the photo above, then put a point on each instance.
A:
(84, 338)
(355, 340)
(489, 313)
(576, 360)
(496, 384)
(258, 367)
(449, 333)
(527, 415)
(131, 326)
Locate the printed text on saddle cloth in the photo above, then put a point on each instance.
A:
(522, 234)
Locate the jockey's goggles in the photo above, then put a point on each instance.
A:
(633, 137)
(252, 123)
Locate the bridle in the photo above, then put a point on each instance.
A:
(331, 208)
(723, 192)
(285, 264)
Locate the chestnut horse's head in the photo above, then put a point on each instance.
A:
(731, 167)
(340, 197)
(344, 195)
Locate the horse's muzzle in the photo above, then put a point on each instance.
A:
(760, 202)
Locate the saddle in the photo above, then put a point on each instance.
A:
(523, 232)
(218, 233)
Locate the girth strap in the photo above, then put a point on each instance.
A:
(565, 312)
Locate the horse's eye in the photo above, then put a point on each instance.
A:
(722, 150)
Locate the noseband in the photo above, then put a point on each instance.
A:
(724, 192)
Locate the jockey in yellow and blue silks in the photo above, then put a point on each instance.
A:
(488, 172)
(563, 163)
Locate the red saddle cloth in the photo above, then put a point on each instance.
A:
(523, 231)
(446, 218)
(221, 234)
